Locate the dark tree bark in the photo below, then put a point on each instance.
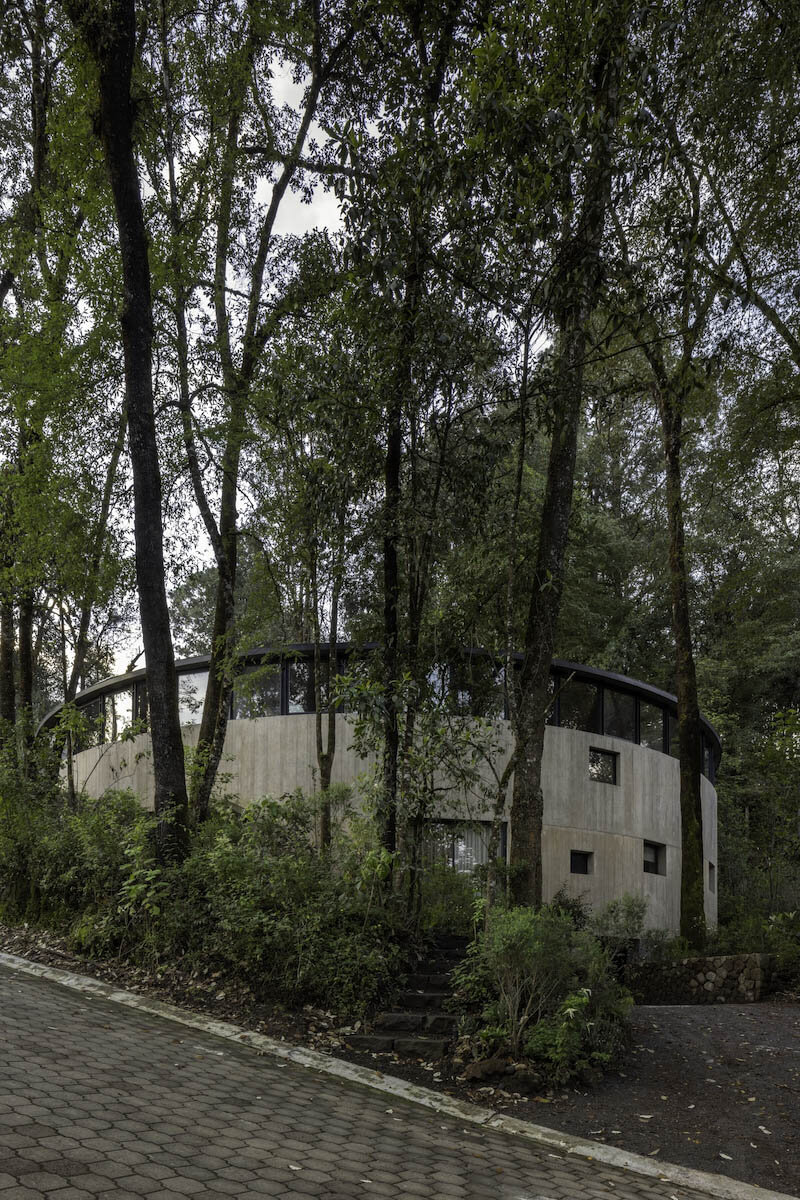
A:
(8, 701)
(693, 924)
(110, 32)
(391, 622)
(577, 293)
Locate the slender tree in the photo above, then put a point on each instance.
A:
(109, 30)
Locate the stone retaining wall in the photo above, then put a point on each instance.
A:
(717, 980)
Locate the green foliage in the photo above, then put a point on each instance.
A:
(253, 896)
(751, 933)
(535, 984)
(448, 900)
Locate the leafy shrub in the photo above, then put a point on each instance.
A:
(535, 984)
(253, 897)
(575, 907)
(448, 899)
(778, 934)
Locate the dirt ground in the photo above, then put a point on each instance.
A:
(715, 1087)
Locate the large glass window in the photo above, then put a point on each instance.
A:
(464, 848)
(619, 714)
(140, 702)
(672, 735)
(119, 713)
(257, 692)
(93, 714)
(302, 697)
(651, 725)
(579, 706)
(476, 687)
(191, 697)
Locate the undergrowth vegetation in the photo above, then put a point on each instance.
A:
(253, 897)
(536, 986)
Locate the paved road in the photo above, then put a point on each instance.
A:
(97, 1100)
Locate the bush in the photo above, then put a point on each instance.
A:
(534, 984)
(253, 897)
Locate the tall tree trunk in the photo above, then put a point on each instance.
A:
(391, 624)
(110, 31)
(576, 299)
(25, 654)
(8, 703)
(532, 693)
(693, 925)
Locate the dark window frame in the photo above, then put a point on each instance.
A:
(603, 755)
(658, 865)
(581, 862)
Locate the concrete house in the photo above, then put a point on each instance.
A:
(611, 776)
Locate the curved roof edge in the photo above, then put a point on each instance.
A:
(185, 666)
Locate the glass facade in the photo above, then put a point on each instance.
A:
(619, 714)
(473, 686)
(119, 714)
(257, 692)
(579, 706)
(461, 847)
(651, 726)
(191, 697)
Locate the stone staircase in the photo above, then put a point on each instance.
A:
(417, 1026)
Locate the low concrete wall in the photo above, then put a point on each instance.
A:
(720, 979)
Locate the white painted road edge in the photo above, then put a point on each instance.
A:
(701, 1181)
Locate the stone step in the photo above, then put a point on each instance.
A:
(434, 1024)
(428, 981)
(401, 1022)
(416, 1000)
(421, 1047)
(379, 1043)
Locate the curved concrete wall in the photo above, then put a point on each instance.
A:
(610, 822)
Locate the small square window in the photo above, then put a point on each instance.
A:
(603, 765)
(655, 858)
(712, 877)
(581, 862)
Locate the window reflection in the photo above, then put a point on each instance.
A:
(463, 848)
(579, 706)
(619, 714)
(191, 697)
(651, 726)
(119, 714)
(476, 687)
(672, 735)
(93, 714)
(302, 697)
(257, 692)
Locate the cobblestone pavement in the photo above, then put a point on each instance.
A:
(97, 1100)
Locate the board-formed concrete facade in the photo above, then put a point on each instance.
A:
(612, 810)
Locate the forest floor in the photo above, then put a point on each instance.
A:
(714, 1087)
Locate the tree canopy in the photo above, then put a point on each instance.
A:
(537, 389)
